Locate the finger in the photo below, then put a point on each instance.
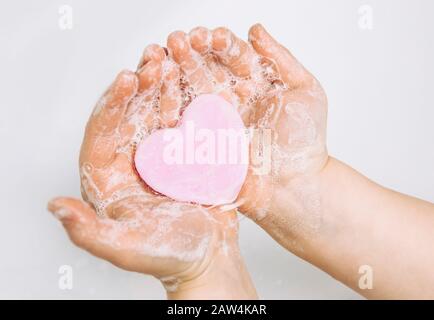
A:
(150, 81)
(142, 111)
(87, 231)
(171, 95)
(190, 62)
(233, 52)
(200, 40)
(99, 144)
(150, 75)
(291, 71)
(152, 52)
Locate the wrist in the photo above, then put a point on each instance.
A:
(222, 275)
(295, 215)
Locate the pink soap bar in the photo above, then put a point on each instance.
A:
(204, 160)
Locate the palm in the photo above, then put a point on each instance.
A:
(141, 231)
(295, 148)
(271, 91)
(163, 236)
(151, 233)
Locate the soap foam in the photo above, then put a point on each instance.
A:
(143, 115)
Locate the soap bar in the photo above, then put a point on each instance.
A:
(203, 160)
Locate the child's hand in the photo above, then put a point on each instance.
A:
(186, 246)
(272, 91)
(313, 205)
(295, 114)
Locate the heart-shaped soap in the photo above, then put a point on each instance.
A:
(203, 160)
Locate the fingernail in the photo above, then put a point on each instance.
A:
(60, 212)
(223, 43)
(257, 31)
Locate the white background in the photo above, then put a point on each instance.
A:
(381, 112)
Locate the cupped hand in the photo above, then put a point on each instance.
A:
(286, 109)
(122, 220)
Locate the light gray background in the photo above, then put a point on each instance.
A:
(379, 84)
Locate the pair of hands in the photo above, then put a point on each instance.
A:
(189, 247)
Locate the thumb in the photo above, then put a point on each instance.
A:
(291, 71)
(70, 210)
(85, 229)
